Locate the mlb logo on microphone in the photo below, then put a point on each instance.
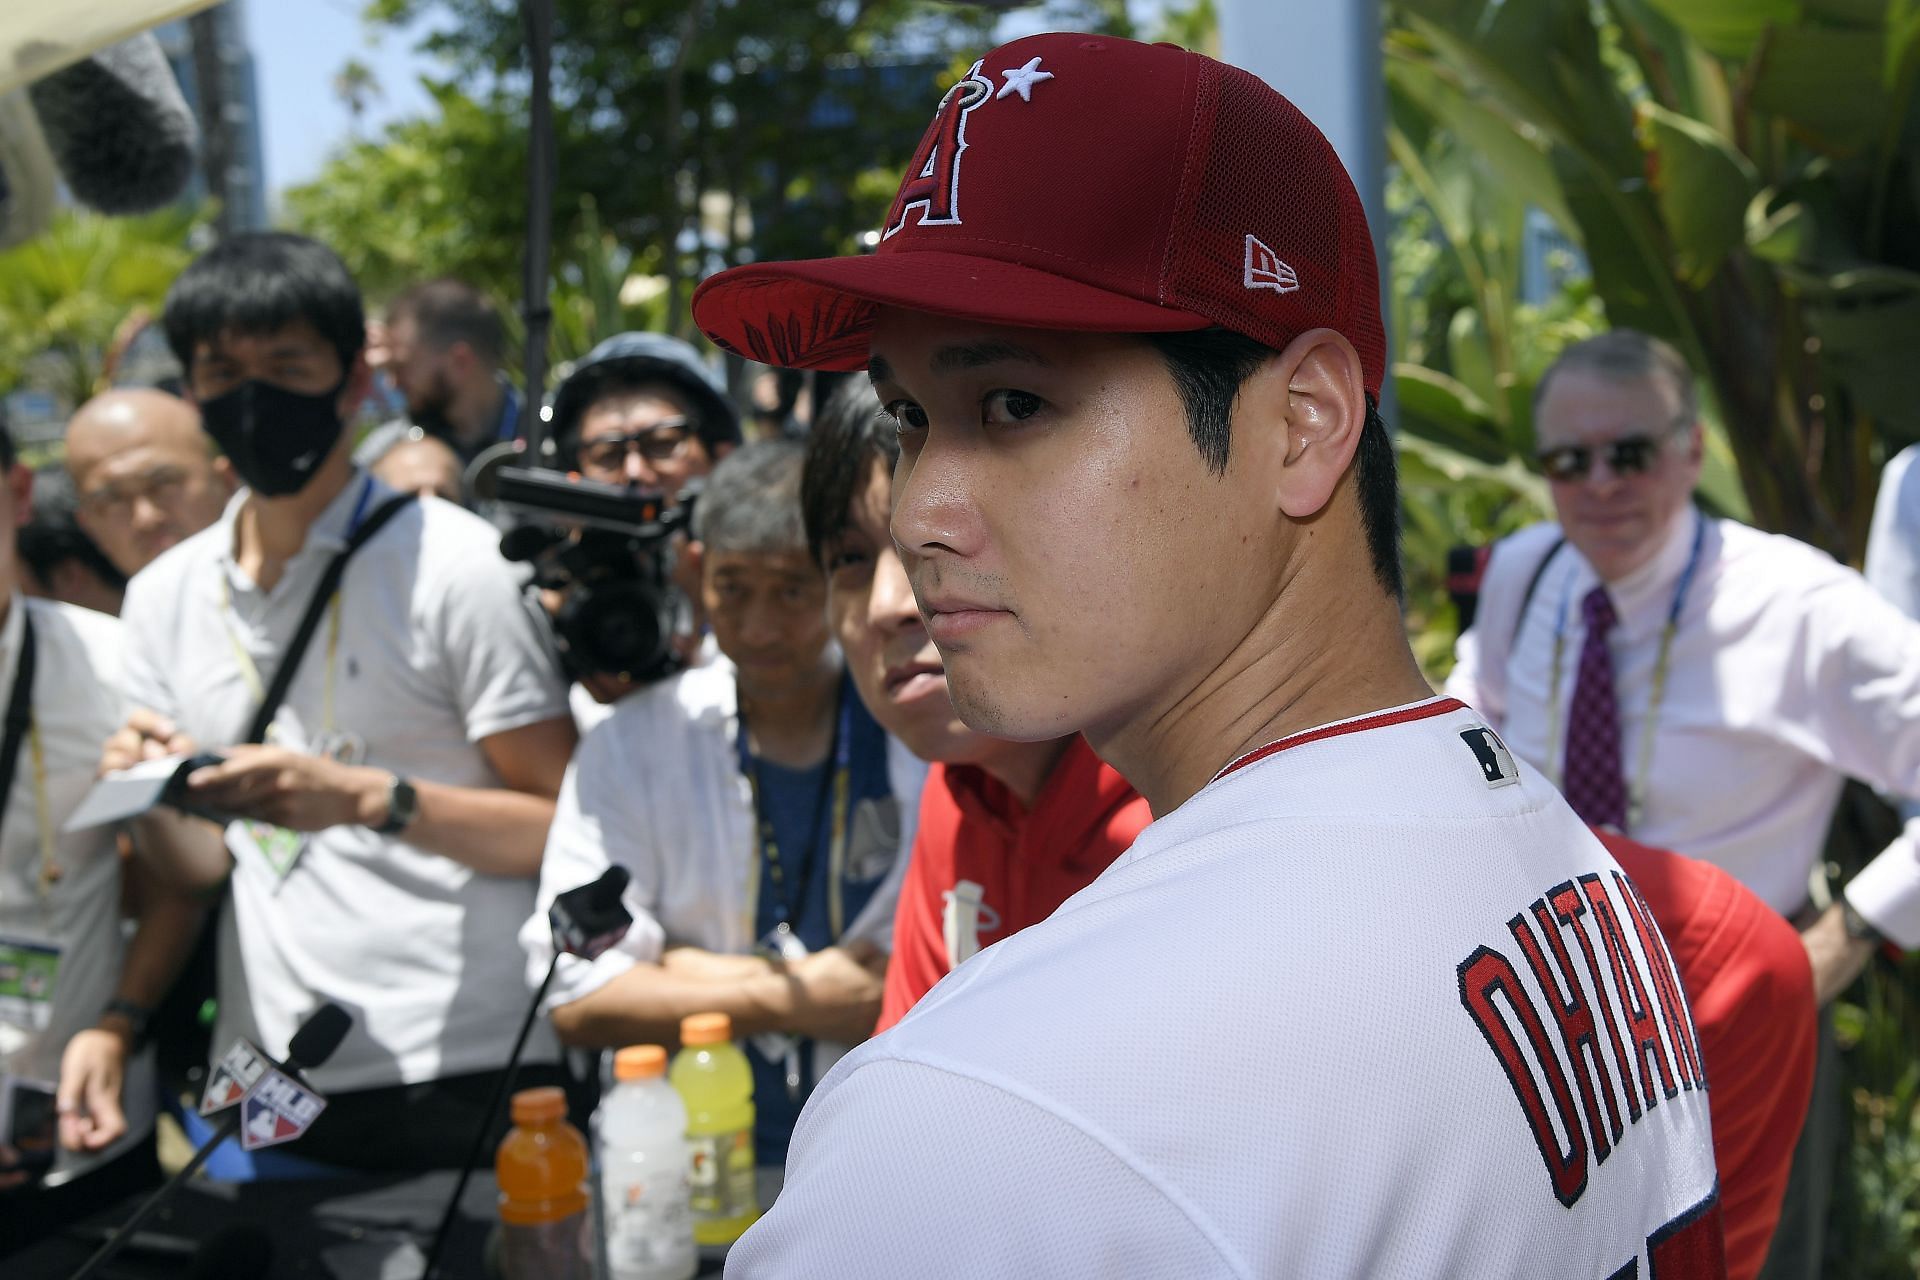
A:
(237, 1072)
(278, 1109)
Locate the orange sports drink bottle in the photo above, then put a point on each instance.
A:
(542, 1167)
(715, 1082)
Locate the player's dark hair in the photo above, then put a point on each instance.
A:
(848, 436)
(450, 311)
(1209, 367)
(259, 283)
(8, 454)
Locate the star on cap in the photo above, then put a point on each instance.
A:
(1021, 80)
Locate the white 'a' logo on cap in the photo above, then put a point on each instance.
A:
(1264, 269)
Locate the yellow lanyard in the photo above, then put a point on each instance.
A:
(42, 809)
(1662, 667)
(767, 849)
(250, 672)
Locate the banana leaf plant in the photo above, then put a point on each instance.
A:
(1744, 180)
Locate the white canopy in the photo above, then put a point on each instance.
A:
(39, 36)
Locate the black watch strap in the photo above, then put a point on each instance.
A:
(1858, 927)
(138, 1016)
(403, 802)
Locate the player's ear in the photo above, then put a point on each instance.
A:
(1301, 415)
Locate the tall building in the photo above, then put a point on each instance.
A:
(232, 140)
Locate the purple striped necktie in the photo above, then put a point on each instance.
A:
(1593, 781)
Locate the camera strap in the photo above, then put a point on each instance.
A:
(316, 607)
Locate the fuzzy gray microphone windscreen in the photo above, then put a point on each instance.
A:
(118, 128)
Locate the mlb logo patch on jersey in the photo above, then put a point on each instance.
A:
(1496, 763)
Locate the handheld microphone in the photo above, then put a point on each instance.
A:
(586, 922)
(590, 920)
(312, 1044)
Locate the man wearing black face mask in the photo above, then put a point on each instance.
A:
(394, 815)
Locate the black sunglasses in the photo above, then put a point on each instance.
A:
(1632, 455)
(659, 443)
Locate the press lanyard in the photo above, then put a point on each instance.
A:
(21, 725)
(836, 784)
(250, 672)
(1662, 667)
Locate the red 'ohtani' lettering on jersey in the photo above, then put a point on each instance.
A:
(1617, 1019)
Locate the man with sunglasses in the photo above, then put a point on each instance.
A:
(1700, 685)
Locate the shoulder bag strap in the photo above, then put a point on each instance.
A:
(310, 621)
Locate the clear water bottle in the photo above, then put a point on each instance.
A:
(642, 1129)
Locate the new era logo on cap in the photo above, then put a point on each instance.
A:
(1264, 270)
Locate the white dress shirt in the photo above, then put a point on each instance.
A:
(435, 653)
(1788, 674)
(77, 705)
(657, 788)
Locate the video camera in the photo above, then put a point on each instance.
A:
(609, 549)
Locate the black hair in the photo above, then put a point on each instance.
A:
(450, 311)
(52, 536)
(848, 436)
(261, 282)
(8, 453)
(1209, 367)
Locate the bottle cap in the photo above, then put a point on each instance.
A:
(539, 1106)
(640, 1062)
(705, 1028)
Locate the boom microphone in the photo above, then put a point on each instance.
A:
(118, 128)
(312, 1044)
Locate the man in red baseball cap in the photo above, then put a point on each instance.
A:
(1366, 998)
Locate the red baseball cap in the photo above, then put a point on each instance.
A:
(1087, 183)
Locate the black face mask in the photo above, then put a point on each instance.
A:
(275, 438)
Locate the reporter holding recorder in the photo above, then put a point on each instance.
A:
(397, 796)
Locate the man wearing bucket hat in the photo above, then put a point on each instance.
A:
(1367, 998)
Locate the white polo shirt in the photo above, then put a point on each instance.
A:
(1788, 675)
(435, 653)
(1298, 1030)
(77, 705)
(657, 788)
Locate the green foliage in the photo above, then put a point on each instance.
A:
(66, 293)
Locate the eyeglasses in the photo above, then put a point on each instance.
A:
(660, 443)
(163, 488)
(1632, 455)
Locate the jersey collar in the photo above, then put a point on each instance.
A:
(1375, 720)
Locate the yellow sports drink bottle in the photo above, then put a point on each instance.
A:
(716, 1085)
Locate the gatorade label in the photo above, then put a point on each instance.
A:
(650, 1225)
(721, 1175)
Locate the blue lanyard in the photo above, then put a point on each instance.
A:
(360, 507)
(834, 788)
(1662, 667)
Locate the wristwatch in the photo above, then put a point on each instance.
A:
(138, 1017)
(1856, 924)
(403, 802)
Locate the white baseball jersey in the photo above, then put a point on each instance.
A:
(1373, 1003)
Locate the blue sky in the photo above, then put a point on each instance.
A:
(299, 45)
